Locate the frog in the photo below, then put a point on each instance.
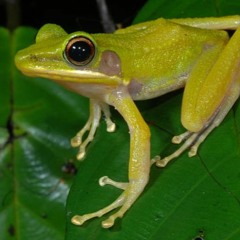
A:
(141, 62)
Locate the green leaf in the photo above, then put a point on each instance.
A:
(5, 98)
(33, 187)
(38, 118)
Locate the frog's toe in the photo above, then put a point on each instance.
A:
(105, 180)
(80, 219)
(124, 201)
(76, 141)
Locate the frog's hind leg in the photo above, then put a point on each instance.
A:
(227, 22)
(212, 100)
(191, 140)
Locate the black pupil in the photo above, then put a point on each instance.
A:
(80, 51)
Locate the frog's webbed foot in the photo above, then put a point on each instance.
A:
(91, 127)
(190, 141)
(131, 192)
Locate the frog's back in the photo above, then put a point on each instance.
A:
(157, 56)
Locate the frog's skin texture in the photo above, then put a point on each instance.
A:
(142, 62)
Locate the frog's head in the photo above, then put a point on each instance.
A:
(69, 57)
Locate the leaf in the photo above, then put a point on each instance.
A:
(38, 118)
(33, 188)
(5, 109)
(5, 84)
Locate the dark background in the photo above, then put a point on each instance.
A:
(70, 14)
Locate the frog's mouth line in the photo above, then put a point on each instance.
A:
(83, 76)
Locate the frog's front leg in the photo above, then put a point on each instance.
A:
(139, 162)
(91, 126)
(208, 96)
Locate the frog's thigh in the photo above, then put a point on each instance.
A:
(228, 22)
(212, 97)
(192, 91)
(207, 100)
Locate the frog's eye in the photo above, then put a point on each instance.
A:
(79, 51)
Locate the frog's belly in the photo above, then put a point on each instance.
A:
(151, 89)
